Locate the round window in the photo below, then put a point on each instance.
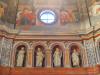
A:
(47, 17)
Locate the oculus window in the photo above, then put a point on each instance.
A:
(47, 17)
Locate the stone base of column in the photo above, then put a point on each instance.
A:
(67, 66)
(48, 66)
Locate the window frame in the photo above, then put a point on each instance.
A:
(42, 12)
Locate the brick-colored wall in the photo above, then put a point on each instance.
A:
(49, 71)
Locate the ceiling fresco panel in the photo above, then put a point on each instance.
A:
(24, 14)
(94, 11)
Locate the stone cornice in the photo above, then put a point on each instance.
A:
(78, 35)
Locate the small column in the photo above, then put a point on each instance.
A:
(97, 53)
(67, 59)
(13, 55)
(84, 58)
(29, 58)
(48, 58)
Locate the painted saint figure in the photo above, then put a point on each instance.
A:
(95, 9)
(25, 17)
(39, 58)
(57, 58)
(75, 58)
(67, 16)
(20, 57)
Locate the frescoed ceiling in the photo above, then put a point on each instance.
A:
(25, 13)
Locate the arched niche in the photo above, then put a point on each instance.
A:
(61, 51)
(35, 53)
(75, 49)
(21, 56)
(17, 46)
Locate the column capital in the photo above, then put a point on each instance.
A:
(48, 51)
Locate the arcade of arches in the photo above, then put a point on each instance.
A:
(40, 52)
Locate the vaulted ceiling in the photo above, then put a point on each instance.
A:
(79, 8)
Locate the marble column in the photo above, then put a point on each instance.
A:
(97, 53)
(67, 58)
(48, 58)
(1, 44)
(84, 58)
(12, 58)
(29, 58)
